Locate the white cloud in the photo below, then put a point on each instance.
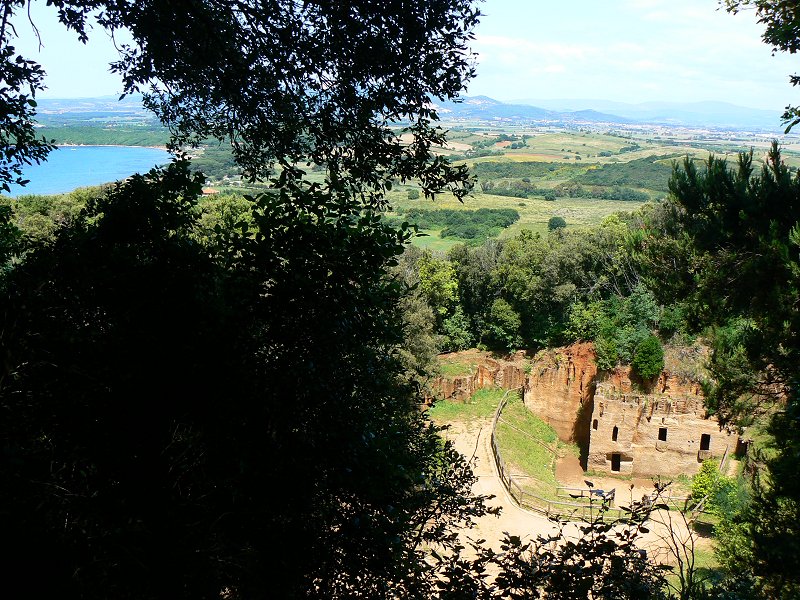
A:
(629, 50)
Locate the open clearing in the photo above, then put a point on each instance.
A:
(470, 432)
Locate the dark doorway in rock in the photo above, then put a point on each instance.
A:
(615, 461)
(614, 434)
(583, 425)
(662, 434)
(705, 441)
(594, 424)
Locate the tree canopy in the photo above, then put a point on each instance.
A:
(218, 408)
(744, 227)
(284, 82)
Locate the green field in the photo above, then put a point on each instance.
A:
(529, 447)
(566, 166)
(481, 405)
(604, 165)
(534, 213)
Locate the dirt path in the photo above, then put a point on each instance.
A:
(473, 440)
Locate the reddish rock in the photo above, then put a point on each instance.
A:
(560, 389)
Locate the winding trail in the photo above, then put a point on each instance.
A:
(472, 439)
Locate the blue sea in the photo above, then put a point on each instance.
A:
(71, 167)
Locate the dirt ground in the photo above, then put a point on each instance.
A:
(569, 473)
(473, 440)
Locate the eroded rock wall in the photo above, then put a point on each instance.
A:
(560, 389)
(663, 432)
(666, 432)
(508, 373)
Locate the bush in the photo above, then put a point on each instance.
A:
(413, 194)
(476, 225)
(648, 358)
(556, 223)
(607, 354)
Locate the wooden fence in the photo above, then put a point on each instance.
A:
(545, 506)
(586, 510)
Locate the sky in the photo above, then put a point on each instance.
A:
(621, 50)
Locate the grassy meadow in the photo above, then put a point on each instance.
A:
(585, 170)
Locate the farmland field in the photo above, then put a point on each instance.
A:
(582, 177)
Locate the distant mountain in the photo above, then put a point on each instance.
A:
(482, 108)
(693, 114)
(485, 108)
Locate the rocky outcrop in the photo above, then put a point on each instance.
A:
(560, 389)
(486, 371)
(619, 427)
(664, 432)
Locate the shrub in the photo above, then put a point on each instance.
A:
(413, 194)
(556, 223)
(648, 358)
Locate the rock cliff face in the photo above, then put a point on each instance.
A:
(486, 371)
(665, 432)
(618, 427)
(560, 390)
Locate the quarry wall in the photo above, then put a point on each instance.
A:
(507, 373)
(619, 428)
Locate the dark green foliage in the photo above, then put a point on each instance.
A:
(39, 217)
(437, 282)
(165, 421)
(10, 241)
(642, 173)
(721, 495)
(569, 190)
(617, 325)
(664, 255)
(503, 326)
(632, 148)
(744, 227)
(457, 331)
(197, 412)
(607, 355)
(420, 344)
(518, 170)
(413, 194)
(116, 135)
(216, 162)
(573, 189)
(477, 285)
(556, 223)
(473, 225)
(512, 192)
(673, 321)
(648, 358)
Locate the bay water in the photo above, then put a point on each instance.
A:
(71, 167)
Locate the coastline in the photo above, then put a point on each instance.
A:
(84, 165)
(164, 147)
